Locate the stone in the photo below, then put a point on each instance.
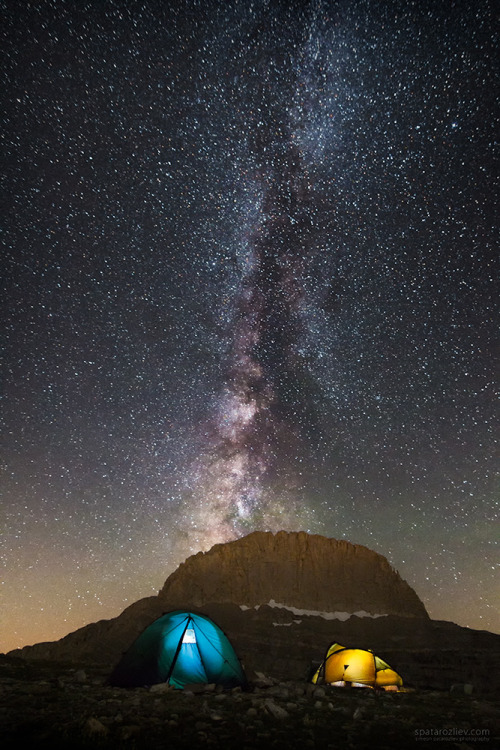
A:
(262, 680)
(161, 687)
(95, 727)
(275, 710)
(216, 717)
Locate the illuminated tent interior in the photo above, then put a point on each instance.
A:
(345, 667)
(180, 648)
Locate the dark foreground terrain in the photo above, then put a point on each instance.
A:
(56, 706)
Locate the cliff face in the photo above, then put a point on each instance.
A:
(305, 571)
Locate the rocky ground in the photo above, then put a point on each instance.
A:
(57, 706)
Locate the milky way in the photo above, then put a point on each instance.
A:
(251, 283)
(250, 477)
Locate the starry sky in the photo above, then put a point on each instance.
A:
(250, 282)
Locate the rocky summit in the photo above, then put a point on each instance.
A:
(294, 569)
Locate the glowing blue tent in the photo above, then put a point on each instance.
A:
(179, 648)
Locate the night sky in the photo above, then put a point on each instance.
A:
(250, 282)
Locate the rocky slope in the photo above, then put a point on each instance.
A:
(309, 572)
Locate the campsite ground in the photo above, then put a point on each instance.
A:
(46, 705)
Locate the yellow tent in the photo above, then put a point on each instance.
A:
(355, 666)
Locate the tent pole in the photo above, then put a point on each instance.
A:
(179, 646)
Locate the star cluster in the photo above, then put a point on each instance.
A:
(250, 283)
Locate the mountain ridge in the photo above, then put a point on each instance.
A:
(301, 593)
(308, 571)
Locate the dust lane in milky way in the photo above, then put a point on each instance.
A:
(251, 474)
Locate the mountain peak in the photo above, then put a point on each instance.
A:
(296, 569)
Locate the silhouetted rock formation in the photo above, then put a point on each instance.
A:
(309, 572)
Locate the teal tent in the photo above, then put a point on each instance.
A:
(179, 648)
